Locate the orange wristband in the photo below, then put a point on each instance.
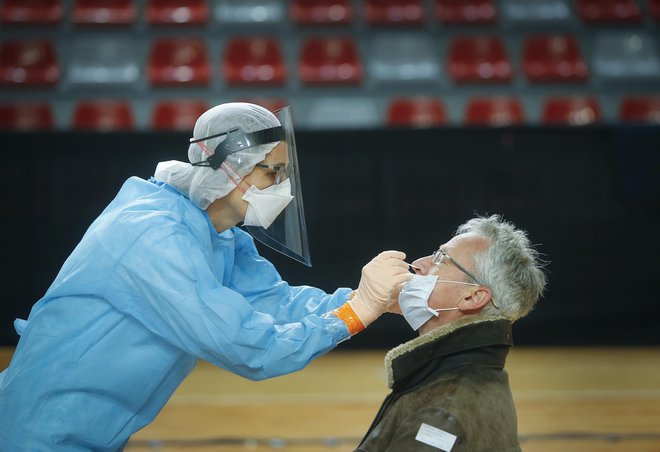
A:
(347, 315)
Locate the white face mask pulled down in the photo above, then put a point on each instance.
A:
(265, 205)
(414, 299)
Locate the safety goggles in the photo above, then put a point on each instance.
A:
(281, 171)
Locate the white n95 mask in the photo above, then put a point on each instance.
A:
(265, 205)
(414, 300)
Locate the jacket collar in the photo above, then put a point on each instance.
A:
(451, 339)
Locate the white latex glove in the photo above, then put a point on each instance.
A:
(393, 305)
(380, 277)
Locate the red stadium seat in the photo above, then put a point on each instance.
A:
(573, 111)
(330, 61)
(28, 63)
(20, 116)
(416, 112)
(32, 12)
(554, 59)
(179, 61)
(177, 114)
(103, 115)
(465, 12)
(496, 111)
(654, 9)
(479, 60)
(104, 12)
(393, 12)
(640, 109)
(267, 103)
(609, 11)
(177, 12)
(254, 61)
(321, 12)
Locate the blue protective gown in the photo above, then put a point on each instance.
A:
(149, 290)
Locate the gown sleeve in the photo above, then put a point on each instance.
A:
(269, 294)
(165, 281)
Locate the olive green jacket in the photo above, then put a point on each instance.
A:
(449, 392)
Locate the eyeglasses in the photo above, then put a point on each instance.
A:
(441, 254)
(281, 171)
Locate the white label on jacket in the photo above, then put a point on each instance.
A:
(435, 437)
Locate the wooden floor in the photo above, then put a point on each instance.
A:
(572, 399)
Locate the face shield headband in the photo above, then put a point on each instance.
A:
(237, 140)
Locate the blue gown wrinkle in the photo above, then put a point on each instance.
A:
(19, 326)
(150, 289)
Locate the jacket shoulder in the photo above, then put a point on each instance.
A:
(422, 429)
(473, 404)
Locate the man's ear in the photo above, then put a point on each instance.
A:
(476, 300)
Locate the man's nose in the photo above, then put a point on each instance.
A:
(423, 264)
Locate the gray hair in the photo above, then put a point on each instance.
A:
(510, 266)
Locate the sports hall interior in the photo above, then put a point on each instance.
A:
(411, 116)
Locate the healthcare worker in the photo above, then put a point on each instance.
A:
(163, 278)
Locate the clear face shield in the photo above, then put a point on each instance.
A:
(287, 234)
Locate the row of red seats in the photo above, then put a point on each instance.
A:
(109, 115)
(259, 61)
(193, 12)
(101, 115)
(505, 111)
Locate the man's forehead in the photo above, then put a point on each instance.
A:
(468, 242)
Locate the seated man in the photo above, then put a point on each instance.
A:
(450, 391)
